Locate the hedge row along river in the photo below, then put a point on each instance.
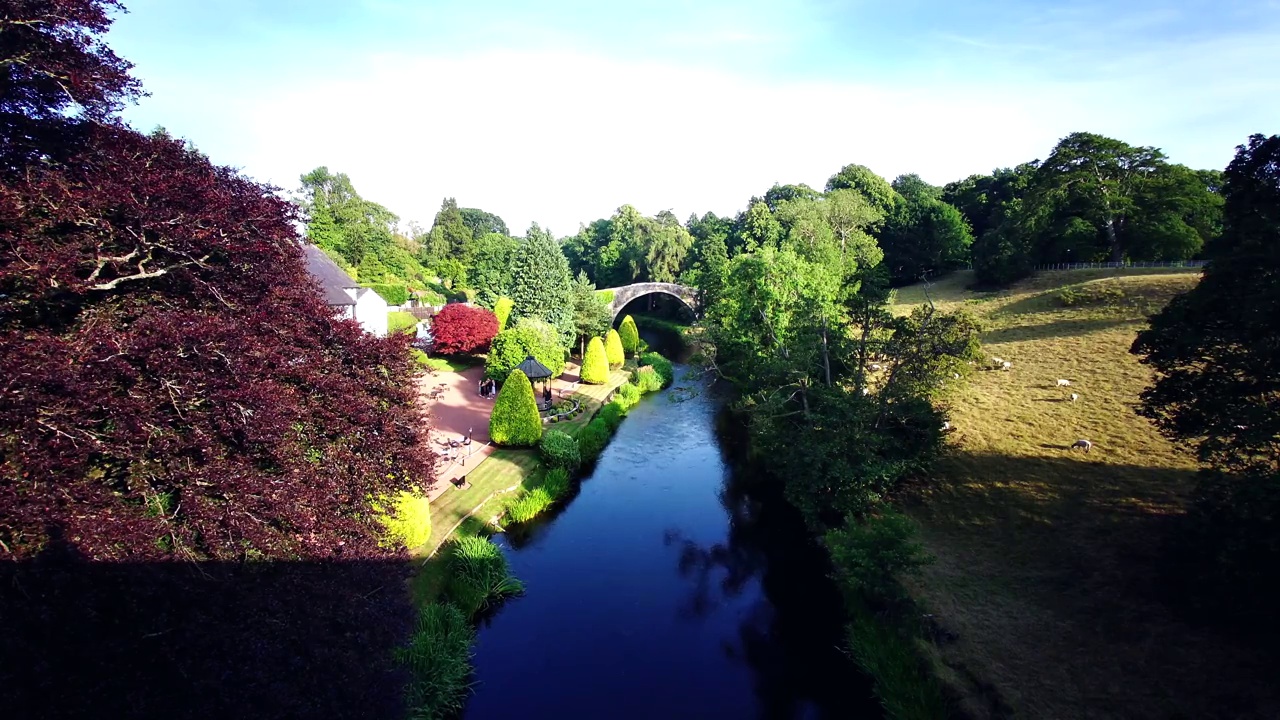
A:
(670, 587)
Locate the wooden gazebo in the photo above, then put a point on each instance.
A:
(536, 371)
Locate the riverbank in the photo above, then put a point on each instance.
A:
(462, 573)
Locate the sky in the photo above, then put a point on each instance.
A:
(560, 111)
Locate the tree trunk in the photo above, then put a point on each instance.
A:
(1116, 255)
(826, 358)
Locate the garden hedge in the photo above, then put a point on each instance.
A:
(559, 450)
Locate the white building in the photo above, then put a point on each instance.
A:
(347, 298)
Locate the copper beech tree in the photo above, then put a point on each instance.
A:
(189, 440)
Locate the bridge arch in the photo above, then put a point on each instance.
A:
(622, 296)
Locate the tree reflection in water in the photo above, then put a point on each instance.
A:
(792, 636)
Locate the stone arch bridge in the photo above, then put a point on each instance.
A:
(621, 296)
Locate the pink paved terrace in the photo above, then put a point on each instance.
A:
(460, 409)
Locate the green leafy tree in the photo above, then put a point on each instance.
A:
(1214, 348)
(482, 223)
(924, 236)
(613, 349)
(1120, 200)
(595, 363)
(667, 244)
(630, 335)
(541, 286)
(450, 233)
(709, 256)
(511, 346)
(515, 420)
(859, 178)
(502, 309)
(591, 315)
(1216, 354)
(490, 271)
(759, 228)
(779, 194)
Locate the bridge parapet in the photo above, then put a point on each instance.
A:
(625, 294)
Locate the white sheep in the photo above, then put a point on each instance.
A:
(866, 391)
(996, 361)
(875, 367)
(1083, 444)
(955, 375)
(1006, 365)
(1064, 383)
(1074, 397)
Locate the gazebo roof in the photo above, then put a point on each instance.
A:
(533, 369)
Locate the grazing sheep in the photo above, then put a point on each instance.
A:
(1006, 365)
(866, 391)
(1064, 383)
(875, 367)
(946, 427)
(996, 361)
(1074, 397)
(1083, 444)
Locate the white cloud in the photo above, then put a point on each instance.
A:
(564, 138)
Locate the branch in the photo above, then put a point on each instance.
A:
(146, 275)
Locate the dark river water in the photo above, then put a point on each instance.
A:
(671, 586)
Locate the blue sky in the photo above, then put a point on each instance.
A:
(558, 112)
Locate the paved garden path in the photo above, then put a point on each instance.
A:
(460, 410)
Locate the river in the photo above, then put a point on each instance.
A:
(669, 587)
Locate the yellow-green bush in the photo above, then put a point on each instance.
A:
(630, 335)
(405, 519)
(595, 366)
(515, 419)
(613, 349)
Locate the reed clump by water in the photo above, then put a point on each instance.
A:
(478, 575)
(438, 658)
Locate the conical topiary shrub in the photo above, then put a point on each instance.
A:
(630, 336)
(613, 349)
(595, 366)
(515, 418)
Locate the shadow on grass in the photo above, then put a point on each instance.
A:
(201, 640)
(1086, 525)
(1055, 328)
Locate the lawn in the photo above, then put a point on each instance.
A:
(1047, 558)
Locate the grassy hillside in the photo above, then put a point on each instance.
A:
(1046, 568)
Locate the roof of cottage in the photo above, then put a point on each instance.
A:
(333, 280)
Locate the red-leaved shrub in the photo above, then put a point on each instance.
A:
(460, 328)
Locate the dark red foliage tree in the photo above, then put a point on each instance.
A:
(188, 438)
(460, 328)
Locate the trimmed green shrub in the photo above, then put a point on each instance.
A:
(515, 419)
(478, 575)
(660, 365)
(630, 335)
(613, 349)
(592, 439)
(556, 483)
(502, 308)
(648, 380)
(405, 519)
(438, 658)
(393, 294)
(559, 450)
(627, 396)
(612, 415)
(400, 321)
(595, 366)
(530, 505)
(513, 345)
